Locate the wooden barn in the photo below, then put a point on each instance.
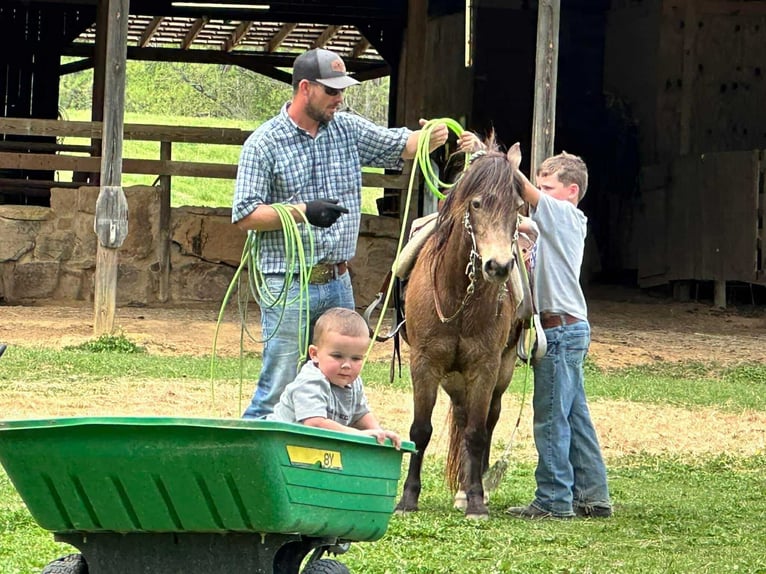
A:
(662, 98)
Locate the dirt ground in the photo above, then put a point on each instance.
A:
(629, 328)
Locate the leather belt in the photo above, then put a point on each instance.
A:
(322, 273)
(550, 320)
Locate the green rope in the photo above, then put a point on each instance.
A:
(249, 269)
(422, 161)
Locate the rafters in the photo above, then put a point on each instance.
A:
(194, 31)
(326, 35)
(360, 48)
(276, 39)
(150, 31)
(237, 36)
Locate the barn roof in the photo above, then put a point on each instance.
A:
(265, 38)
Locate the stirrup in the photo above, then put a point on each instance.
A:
(532, 340)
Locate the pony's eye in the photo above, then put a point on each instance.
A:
(476, 203)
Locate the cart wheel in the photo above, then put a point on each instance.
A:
(326, 567)
(72, 564)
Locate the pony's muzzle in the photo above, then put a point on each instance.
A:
(496, 271)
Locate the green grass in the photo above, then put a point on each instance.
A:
(688, 385)
(195, 191)
(673, 513)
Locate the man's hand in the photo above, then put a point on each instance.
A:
(324, 212)
(439, 135)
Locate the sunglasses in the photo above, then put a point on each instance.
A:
(329, 91)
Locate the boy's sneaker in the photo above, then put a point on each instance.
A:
(531, 512)
(587, 511)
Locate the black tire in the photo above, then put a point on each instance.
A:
(72, 564)
(326, 567)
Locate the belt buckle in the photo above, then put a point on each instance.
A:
(321, 274)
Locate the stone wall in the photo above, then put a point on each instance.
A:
(49, 254)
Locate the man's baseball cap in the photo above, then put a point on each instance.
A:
(324, 67)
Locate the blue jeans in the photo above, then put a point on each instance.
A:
(282, 355)
(570, 469)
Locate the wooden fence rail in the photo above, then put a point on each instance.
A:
(25, 155)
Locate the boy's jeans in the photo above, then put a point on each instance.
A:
(570, 469)
(281, 355)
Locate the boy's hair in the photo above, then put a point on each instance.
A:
(569, 169)
(340, 320)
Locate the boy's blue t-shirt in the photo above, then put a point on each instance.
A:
(560, 249)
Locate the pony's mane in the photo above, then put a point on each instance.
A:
(489, 174)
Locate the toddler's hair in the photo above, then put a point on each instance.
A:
(569, 168)
(340, 320)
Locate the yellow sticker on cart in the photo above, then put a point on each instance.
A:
(315, 457)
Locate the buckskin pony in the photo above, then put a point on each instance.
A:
(461, 323)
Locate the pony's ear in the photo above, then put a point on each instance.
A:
(514, 155)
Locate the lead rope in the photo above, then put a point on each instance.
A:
(495, 474)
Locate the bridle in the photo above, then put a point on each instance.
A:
(470, 270)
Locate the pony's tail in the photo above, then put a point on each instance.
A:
(453, 470)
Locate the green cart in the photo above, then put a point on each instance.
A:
(181, 495)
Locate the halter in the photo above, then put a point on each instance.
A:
(470, 270)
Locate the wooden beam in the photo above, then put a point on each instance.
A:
(194, 31)
(148, 132)
(326, 35)
(360, 47)
(277, 39)
(62, 162)
(163, 252)
(150, 31)
(252, 61)
(161, 167)
(546, 77)
(27, 146)
(78, 66)
(752, 8)
(111, 220)
(237, 35)
(411, 89)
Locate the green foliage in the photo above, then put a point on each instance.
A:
(108, 344)
(211, 91)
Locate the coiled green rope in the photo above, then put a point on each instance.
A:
(296, 264)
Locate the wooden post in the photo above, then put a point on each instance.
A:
(546, 76)
(111, 221)
(411, 102)
(99, 69)
(166, 152)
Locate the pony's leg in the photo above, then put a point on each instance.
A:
(455, 388)
(424, 399)
(507, 365)
(475, 442)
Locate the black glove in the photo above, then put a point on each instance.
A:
(324, 212)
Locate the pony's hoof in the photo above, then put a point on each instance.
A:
(461, 500)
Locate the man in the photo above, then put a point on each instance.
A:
(310, 155)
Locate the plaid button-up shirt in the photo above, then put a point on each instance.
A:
(282, 163)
